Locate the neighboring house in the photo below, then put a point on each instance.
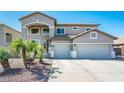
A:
(67, 40)
(119, 46)
(7, 34)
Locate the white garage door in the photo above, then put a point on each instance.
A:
(93, 51)
(62, 51)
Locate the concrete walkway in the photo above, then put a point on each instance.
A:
(87, 71)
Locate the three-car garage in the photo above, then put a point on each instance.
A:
(83, 51)
(83, 46)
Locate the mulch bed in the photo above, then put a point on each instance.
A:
(37, 72)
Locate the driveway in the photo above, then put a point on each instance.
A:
(87, 71)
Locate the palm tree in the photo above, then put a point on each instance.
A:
(32, 48)
(40, 53)
(37, 49)
(20, 46)
(4, 55)
(26, 48)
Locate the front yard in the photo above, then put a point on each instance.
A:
(18, 72)
(65, 71)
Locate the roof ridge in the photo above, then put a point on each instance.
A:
(4, 25)
(82, 33)
(36, 12)
(78, 24)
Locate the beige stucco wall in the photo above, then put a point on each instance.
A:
(15, 34)
(40, 37)
(39, 18)
(86, 39)
(68, 29)
(1, 35)
(43, 20)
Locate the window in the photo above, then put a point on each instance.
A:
(35, 40)
(74, 28)
(35, 31)
(93, 35)
(8, 39)
(45, 31)
(88, 28)
(60, 31)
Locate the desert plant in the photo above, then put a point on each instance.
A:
(20, 46)
(26, 48)
(32, 47)
(4, 56)
(40, 53)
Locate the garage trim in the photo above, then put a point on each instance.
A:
(81, 43)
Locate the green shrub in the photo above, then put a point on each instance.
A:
(4, 56)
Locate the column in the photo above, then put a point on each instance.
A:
(51, 31)
(25, 32)
(122, 51)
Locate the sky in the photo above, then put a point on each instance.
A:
(111, 22)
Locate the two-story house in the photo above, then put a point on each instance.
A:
(67, 40)
(7, 35)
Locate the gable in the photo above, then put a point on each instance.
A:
(85, 38)
(37, 17)
(36, 13)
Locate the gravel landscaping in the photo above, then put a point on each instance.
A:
(17, 73)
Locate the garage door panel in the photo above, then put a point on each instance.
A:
(93, 51)
(62, 51)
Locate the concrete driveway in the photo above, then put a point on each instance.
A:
(87, 71)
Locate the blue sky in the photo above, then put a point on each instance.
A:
(111, 22)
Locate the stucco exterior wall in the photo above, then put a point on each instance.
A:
(40, 37)
(15, 34)
(68, 29)
(37, 18)
(1, 36)
(86, 39)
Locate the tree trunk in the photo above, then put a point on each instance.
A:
(35, 53)
(41, 61)
(6, 64)
(24, 57)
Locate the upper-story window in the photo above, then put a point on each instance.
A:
(93, 35)
(60, 31)
(45, 31)
(75, 28)
(88, 28)
(35, 31)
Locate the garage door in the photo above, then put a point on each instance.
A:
(93, 51)
(62, 51)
